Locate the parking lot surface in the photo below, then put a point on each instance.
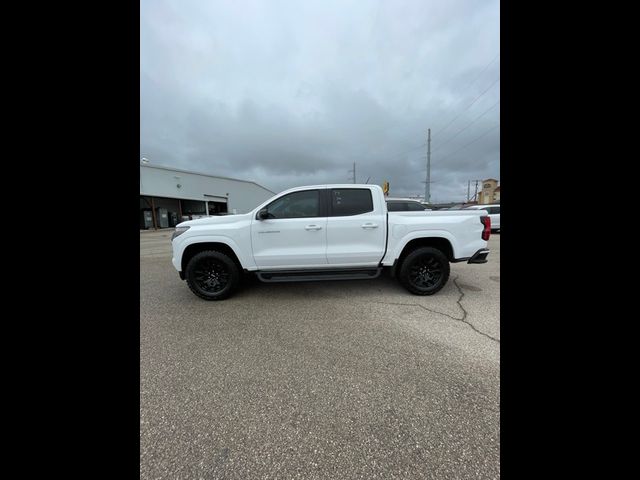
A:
(340, 380)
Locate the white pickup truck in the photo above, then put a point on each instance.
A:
(327, 232)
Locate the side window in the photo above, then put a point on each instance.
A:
(296, 205)
(350, 201)
(496, 210)
(394, 206)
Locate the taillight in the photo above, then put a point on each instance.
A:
(486, 233)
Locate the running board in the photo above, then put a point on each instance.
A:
(315, 275)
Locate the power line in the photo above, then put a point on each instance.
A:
(472, 122)
(483, 70)
(463, 90)
(480, 74)
(468, 86)
(468, 106)
(472, 141)
(414, 148)
(397, 155)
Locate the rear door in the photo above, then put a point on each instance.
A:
(356, 228)
(294, 235)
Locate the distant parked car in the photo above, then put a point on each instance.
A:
(405, 205)
(494, 214)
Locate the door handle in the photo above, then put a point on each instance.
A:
(313, 227)
(370, 225)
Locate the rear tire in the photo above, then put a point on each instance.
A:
(212, 275)
(424, 271)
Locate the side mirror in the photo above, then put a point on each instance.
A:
(263, 214)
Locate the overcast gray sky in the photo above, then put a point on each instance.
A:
(291, 92)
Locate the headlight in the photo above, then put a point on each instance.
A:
(179, 231)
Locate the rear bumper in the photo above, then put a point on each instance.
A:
(480, 256)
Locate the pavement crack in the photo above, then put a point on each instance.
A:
(465, 313)
(459, 302)
(418, 305)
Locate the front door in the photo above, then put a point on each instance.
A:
(294, 235)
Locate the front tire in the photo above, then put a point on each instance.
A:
(424, 271)
(212, 275)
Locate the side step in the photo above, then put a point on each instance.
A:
(315, 275)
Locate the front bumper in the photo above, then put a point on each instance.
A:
(480, 256)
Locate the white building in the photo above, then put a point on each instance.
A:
(169, 196)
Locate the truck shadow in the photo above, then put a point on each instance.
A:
(383, 286)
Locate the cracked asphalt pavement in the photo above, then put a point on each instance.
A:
(319, 380)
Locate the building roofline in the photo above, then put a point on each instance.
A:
(173, 169)
(204, 198)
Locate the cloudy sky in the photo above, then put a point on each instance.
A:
(291, 92)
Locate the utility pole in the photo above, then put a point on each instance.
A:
(354, 172)
(468, 190)
(427, 187)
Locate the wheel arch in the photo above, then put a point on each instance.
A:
(440, 243)
(191, 250)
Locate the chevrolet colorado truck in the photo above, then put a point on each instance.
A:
(327, 232)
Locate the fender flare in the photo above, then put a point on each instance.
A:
(245, 261)
(400, 246)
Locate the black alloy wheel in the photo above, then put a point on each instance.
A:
(424, 271)
(212, 275)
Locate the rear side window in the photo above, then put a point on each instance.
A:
(350, 201)
(493, 210)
